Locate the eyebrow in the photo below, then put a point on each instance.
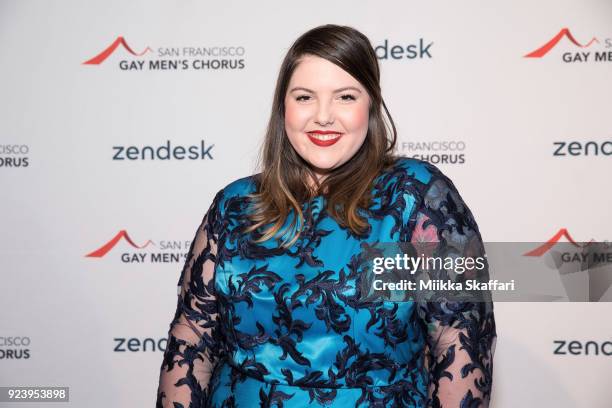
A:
(301, 88)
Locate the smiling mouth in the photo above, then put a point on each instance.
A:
(324, 139)
(329, 136)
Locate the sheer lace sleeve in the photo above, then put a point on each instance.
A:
(193, 348)
(461, 336)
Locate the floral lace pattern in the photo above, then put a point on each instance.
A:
(259, 325)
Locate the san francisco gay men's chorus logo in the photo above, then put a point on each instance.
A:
(585, 268)
(593, 50)
(169, 58)
(165, 251)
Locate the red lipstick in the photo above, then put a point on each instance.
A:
(324, 143)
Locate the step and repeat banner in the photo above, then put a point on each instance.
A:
(120, 120)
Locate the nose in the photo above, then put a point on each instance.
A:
(324, 114)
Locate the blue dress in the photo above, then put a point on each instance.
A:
(258, 325)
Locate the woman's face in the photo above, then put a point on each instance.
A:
(326, 113)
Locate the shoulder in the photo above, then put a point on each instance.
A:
(430, 186)
(242, 186)
(238, 188)
(424, 173)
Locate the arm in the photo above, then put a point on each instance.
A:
(193, 348)
(460, 335)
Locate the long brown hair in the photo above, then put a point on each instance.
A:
(282, 181)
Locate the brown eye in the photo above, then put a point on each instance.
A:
(302, 98)
(347, 97)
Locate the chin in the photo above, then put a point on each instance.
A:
(323, 164)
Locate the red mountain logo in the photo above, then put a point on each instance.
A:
(542, 249)
(98, 59)
(104, 249)
(564, 33)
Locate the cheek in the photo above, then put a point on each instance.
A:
(295, 118)
(356, 120)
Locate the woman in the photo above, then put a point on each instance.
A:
(270, 311)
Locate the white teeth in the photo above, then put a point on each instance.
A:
(324, 137)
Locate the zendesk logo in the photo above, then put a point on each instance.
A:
(418, 51)
(134, 344)
(582, 148)
(164, 152)
(577, 347)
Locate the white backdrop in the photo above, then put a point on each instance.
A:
(64, 195)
